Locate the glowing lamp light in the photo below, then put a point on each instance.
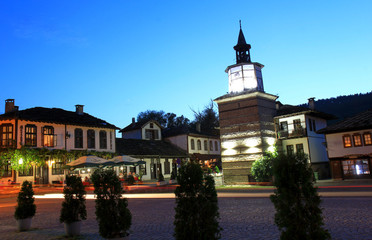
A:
(83, 171)
(121, 168)
(20, 161)
(88, 170)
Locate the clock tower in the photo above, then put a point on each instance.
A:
(246, 117)
(244, 75)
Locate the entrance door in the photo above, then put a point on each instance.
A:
(41, 175)
(336, 170)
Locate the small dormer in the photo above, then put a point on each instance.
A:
(145, 130)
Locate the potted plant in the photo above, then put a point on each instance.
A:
(161, 181)
(73, 207)
(112, 213)
(26, 207)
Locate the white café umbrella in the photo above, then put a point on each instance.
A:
(87, 161)
(126, 160)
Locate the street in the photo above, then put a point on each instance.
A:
(243, 216)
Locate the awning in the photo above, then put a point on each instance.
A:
(125, 160)
(87, 161)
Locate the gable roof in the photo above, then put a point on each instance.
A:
(138, 147)
(176, 131)
(57, 115)
(138, 125)
(357, 122)
(290, 110)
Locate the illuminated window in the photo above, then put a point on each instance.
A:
(192, 144)
(78, 138)
(91, 137)
(48, 135)
(210, 145)
(357, 140)
(205, 145)
(57, 168)
(347, 141)
(299, 148)
(7, 135)
(290, 150)
(215, 145)
(367, 139)
(30, 136)
(199, 145)
(355, 167)
(102, 139)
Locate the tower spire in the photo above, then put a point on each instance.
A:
(242, 48)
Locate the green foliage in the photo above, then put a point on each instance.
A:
(216, 169)
(160, 177)
(262, 169)
(36, 157)
(208, 119)
(26, 207)
(297, 203)
(73, 207)
(196, 205)
(166, 120)
(112, 213)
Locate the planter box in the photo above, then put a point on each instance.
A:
(73, 229)
(24, 224)
(161, 183)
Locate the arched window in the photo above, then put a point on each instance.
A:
(102, 139)
(215, 146)
(91, 136)
(205, 145)
(210, 145)
(192, 144)
(78, 138)
(199, 145)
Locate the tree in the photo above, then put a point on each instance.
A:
(297, 203)
(262, 169)
(208, 119)
(26, 207)
(166, 120)
(196, 205)
(112, 213)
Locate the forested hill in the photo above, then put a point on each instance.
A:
(344, 106)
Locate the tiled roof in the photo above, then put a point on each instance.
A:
(57, 115)
(137, 125)
(137, 147)
(295, 110)
(358, 122)
(175, 131)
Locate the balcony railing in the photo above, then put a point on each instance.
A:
(296, 133)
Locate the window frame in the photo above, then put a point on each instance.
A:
(198, 143)
(370, 138)
(48, 137)
(31, 136)
(205, 145)
(357, 140)
(79, 143)
(344, 137)
(57, 168)
(215, 145)
(8, 141)
(91, 139)
(102, 139)
(290, 149)
(167, 166)
(24, 173)
(192, 144)
(300, 146)
(210, 145)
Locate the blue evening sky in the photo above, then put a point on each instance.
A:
(119, 58)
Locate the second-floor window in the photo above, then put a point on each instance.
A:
(367, 139)
(7, 135)
(192, 144)
(30, 136)
(48, 136)
(297, 124)
(78, 138)
(199, 144)
(91, 137)
(347, 141)
(151, 134)
(357, 140)
(102, 139)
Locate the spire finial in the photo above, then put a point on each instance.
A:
(240, 24)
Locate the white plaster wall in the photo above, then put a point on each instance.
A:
(203, 151)
(336, 148)
(290, 121)
(318, 150)
(294, 141)
(319, 124)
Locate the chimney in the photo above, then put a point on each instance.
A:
(198, 127)
(79, 109)
(9, 105)
(278, 105)
(311, 103)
